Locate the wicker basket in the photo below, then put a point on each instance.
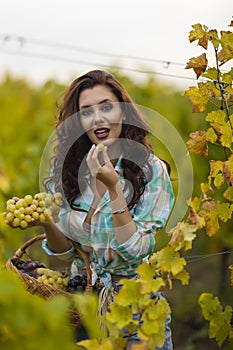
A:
(41, 289)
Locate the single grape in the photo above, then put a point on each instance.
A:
(35, 215)
(23, 224)
(28, 218)
(21, 203)
(28, 199)
(16, 222)
(28, 210)
(10, 202)
(100, 147)
(9, 217)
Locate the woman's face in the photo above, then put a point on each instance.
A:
(101, 115)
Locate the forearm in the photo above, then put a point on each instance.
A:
(123, 224)
(56, 241)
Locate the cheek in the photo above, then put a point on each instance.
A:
(85, 124)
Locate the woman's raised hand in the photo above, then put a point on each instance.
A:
(100, 166)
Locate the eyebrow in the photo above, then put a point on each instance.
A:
(99, 103)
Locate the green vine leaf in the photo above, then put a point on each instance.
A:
(214, 38)
(219, 319)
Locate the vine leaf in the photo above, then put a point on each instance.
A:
(198, 64)
(120, 315)
(198, 143)
(226, 53)
(194, 217)
(182, 236)
(147, 281)
(199, 96)
(220, 320)
(228, 194)
(209, 212)
(199, 33)
(225, 211)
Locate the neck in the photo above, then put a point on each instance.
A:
(114, 151)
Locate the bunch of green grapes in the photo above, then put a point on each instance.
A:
(54, 278)
(42, 207)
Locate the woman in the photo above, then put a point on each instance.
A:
(117, 194)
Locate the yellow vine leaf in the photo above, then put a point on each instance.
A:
(216, 166)
(228, 194)
(183, 277)
(147, 281)
(199, 96)
(205, 187)
(211, 135)
(199, 33)
(198, 143)
(182, 236)
(209, 212)
(226, 41)
(198, 64)
(216, 118)
(168, 261)
(225, 211)
(90, 344)
(153, 326)
(218, 180)
(129, 294)
(226, 138)
(120, 315)
(194, 217)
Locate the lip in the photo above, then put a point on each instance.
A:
(99, 129)
(101, 132)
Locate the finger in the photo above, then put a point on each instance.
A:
(89, 155)
(105, 155)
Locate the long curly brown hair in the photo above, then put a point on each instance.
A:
(68, 163)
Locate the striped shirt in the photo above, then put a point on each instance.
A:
(149, 215)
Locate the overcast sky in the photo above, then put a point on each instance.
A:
(101, 32)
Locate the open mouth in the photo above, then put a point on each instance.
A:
(101, 133)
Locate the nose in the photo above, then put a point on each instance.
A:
(98, 116)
